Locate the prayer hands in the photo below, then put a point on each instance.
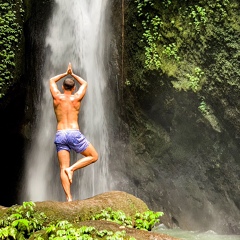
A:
(69, 70)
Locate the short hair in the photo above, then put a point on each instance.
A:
(68, 84)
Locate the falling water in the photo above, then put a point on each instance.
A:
(77, 34)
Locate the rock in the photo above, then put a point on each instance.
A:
(80, 212)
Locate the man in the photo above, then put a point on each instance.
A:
(68, 136)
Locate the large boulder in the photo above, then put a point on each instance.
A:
(82, 210)
(79, 213)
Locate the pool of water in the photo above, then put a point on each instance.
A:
(191, 235)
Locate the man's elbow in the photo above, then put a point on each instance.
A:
(95, 157)
(51, 81)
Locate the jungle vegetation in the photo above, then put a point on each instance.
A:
(192, 44)
(11, 37)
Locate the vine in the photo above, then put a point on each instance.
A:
(197, 16)
(151, 35)
(10, 35)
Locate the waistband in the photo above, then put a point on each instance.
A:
(67, 130)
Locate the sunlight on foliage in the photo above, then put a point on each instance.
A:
(143, 221)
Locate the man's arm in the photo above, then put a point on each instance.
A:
(53, 86)
(83, 87)
(83, 84)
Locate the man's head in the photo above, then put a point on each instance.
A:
(68, 84)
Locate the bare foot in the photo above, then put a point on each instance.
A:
(69, 174)
(69, 199)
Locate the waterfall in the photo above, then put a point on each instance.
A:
(77, 34)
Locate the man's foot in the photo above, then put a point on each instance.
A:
(69, 174)
(69, 199)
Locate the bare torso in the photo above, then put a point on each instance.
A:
(66, 107)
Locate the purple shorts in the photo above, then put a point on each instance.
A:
(71, 139)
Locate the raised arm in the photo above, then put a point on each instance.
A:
(83, 86)
(53, 86)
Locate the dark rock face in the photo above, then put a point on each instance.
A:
(18, 107)
(179, 164)
(178, 160)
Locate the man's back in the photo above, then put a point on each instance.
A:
(67, 104)
(66, 107)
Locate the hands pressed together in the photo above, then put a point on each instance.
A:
(69, 70)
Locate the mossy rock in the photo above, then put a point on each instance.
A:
(82, 210)
(79, 213)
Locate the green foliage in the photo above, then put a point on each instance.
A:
(143, 221)
(171, 50)
(151, 24)
(197, 16)
(65, 230)
(193, 81)
(21, 221)
(203, 108)
(114, 216)
(147, 220)
(175, 40)
(11, 20)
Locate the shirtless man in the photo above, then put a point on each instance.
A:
(68, 136)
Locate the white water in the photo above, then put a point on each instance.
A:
(193, 235)
(77, 34)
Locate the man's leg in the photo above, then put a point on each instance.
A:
(91, 156)
(64, 162)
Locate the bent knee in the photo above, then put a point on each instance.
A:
(95, 157)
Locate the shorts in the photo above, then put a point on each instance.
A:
(71, 139)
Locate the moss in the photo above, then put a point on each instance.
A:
(195, 46)
(179, 39)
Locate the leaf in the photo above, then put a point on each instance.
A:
(22, 224)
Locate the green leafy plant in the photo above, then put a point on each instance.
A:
(21, 221)
(143, 221)
(198, 16)
(151, 35)
(114, 216)
(191, 81)
(194, 80)
(171, 51)
(204, 108)
(66, 230)
(147, 220)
